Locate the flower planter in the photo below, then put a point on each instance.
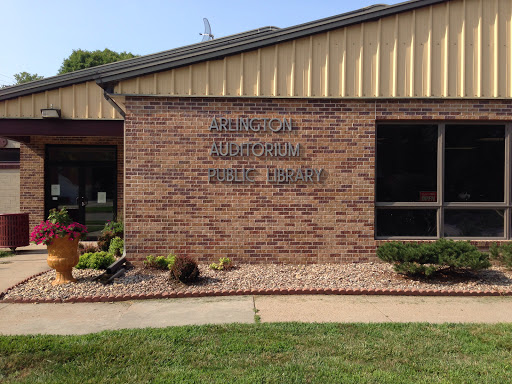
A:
(63, 256)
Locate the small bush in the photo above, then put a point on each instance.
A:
(116, 246)
(502, 253)
(160, 262)
(87, 249)
(111, 230)
(95, 260)
(428, 258)
(116, 227)
(224, 264)
(184, 269)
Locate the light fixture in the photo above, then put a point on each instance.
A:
(50, 113)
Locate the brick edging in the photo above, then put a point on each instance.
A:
(5, 292)
(246, 292)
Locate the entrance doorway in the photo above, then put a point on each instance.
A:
(82, 179)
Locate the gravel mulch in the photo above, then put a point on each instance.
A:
(245, 279)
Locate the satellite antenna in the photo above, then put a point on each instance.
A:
(207, 35)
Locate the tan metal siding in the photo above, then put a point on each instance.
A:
(460, 48)
(80, 101)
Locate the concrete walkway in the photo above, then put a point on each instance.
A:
(27, 262)
(82, 318)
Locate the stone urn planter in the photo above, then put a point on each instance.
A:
(63, 256)
(61, 237)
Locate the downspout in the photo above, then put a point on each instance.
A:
(116, 106)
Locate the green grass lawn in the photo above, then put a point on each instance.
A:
(266, 353)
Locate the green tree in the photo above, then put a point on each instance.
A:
(25, 77)
(81, 59)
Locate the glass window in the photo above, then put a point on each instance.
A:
(407, 163)
(406, 222)
(474, 163)
(10, 155)
(474, 180)
(474, 222)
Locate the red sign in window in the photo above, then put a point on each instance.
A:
(428, 196)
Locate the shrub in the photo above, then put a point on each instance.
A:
(224, 264)
(111, 230)
(116, 246)
(86, 248)
(116, 227)
(427, 258)
(104, 241)
(95, 260)
(160, 262)
(502, 253)
(184, 269)
(460, 255)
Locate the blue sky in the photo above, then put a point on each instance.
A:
(38, 35)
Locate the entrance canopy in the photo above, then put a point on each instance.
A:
(20, 129)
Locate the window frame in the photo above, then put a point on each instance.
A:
(440, 205)
(11, 149)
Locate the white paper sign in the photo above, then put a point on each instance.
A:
(102, 197)
(55, 189)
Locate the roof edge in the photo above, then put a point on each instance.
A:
(107, 74)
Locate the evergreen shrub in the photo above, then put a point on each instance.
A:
(428, 258)
(116, 246)
(185, 269)
(502, 253)
(95, 260)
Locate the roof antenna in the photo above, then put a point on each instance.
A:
(207, 35)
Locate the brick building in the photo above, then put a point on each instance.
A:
(308, 144)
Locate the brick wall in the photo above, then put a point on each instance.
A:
(9, 189)
(171, 206)
(32, 171)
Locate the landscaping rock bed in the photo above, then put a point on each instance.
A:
(360, 278)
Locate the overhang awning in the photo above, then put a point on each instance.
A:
(20, 128)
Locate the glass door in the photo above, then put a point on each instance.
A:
(97, 197)
(83, 180)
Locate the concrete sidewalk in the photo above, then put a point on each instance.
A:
(27, 262)
(377, 309)
(81, 318)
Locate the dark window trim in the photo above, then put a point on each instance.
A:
(441, 205)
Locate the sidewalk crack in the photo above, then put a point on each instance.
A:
(378, 309)
(257, 318)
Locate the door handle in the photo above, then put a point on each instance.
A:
(82, 201)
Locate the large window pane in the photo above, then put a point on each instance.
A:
(406, 163)
(474, 223)
(474, 163)
(406, 222)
